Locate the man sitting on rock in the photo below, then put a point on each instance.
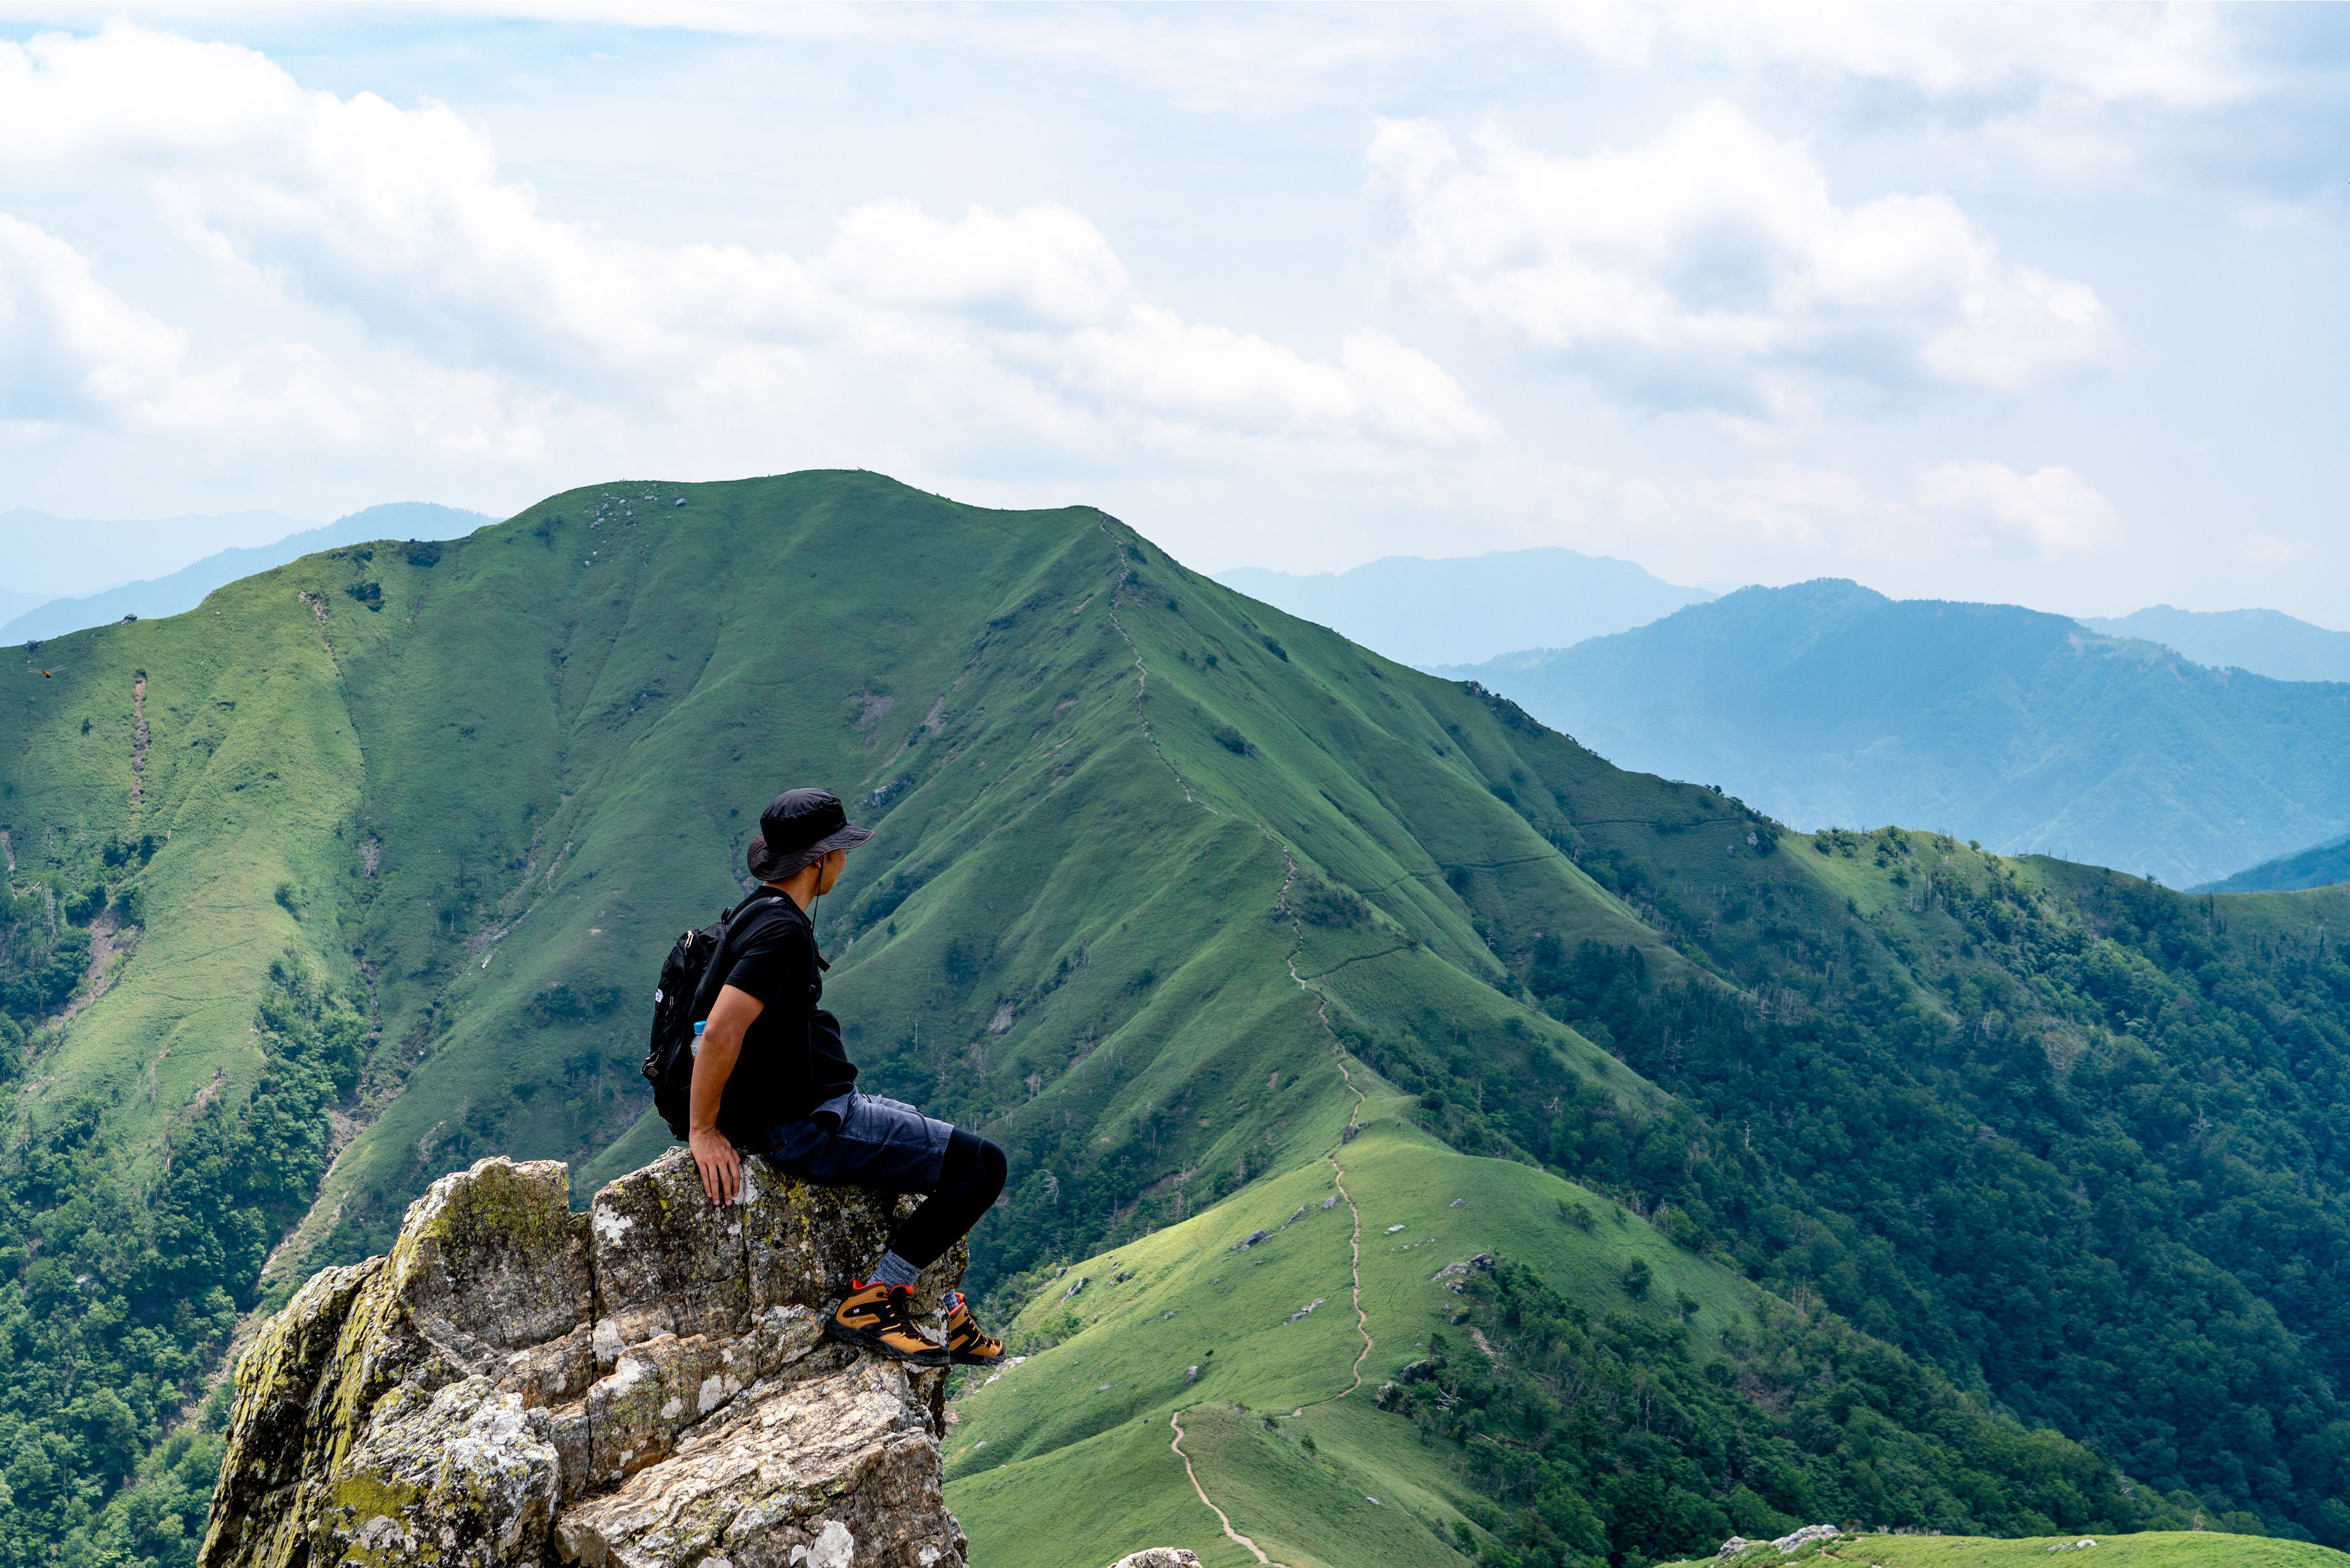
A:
(770, 1076)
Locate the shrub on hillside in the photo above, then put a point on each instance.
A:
(1318, 903)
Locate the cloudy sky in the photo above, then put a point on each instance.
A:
(2044, 305)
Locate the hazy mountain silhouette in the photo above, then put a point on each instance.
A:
(185, 588)
(1460, 609)
(53, 557)
(2319, 866)
(1828, 704)
(2264, 641)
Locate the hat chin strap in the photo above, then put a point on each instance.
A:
(817, 897)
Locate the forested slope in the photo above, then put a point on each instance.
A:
(1163, 879)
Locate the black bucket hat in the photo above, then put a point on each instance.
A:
(799, 827)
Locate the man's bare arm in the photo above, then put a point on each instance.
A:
(722, 1044)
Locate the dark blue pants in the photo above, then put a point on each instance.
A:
(863, 1140)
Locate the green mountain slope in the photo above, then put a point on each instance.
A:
(1162, 880)
(2319, 866)
(183, 589)
(1827, 703)
(452, 801)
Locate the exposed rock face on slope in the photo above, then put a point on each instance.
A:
(641, 1386)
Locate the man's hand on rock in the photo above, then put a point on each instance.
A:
(720, 1168)
(713, 1063)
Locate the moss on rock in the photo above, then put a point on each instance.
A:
(647, 1383)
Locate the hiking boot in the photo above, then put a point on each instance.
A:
(880, 1318)
(967, 1343)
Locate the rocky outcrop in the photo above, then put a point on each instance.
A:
(1787, 1544)
(1158, 1557)
(643, 1386)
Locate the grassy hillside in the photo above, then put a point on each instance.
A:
(415, 824)
(183, 589)
(1827, 703)
(1279, 1431)
(1167, 890)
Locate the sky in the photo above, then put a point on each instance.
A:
(2034, 304)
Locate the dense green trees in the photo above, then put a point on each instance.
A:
(42, 955)
(121, 1283)
(2090, 1164)
(1613, 1438)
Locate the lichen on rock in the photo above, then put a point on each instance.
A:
(644, 1386)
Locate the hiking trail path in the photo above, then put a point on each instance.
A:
(1337, 1051)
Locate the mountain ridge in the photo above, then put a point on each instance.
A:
(2264, 641)
(1169, 890)
(2319, 866)
(1827, 703)
(186, 588)
(52, 553)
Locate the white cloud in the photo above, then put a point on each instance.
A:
(69, 348)
(2171, 56)
(1794, 508)
(1260, 60)
(1252, 61)
(2179, 57)
(2053, 509)
(1692, 268)
(226, 288)
(400, 220)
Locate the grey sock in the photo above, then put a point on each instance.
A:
(893, 1270)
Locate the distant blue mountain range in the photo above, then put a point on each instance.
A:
(2320, 865)
(44, 556)
(2264, 641)
(1827, 703)
(185, 588)
(1460, 609)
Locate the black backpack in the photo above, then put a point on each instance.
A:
(688, 989)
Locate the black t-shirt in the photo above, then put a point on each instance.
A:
(792, 1060)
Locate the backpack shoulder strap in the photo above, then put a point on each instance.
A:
(712, 978)
(792, 909)
(766, 897)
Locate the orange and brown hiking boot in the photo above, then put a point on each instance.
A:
(880, 1318)
(967, 1343)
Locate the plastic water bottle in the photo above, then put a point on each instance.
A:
(698, 1028)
